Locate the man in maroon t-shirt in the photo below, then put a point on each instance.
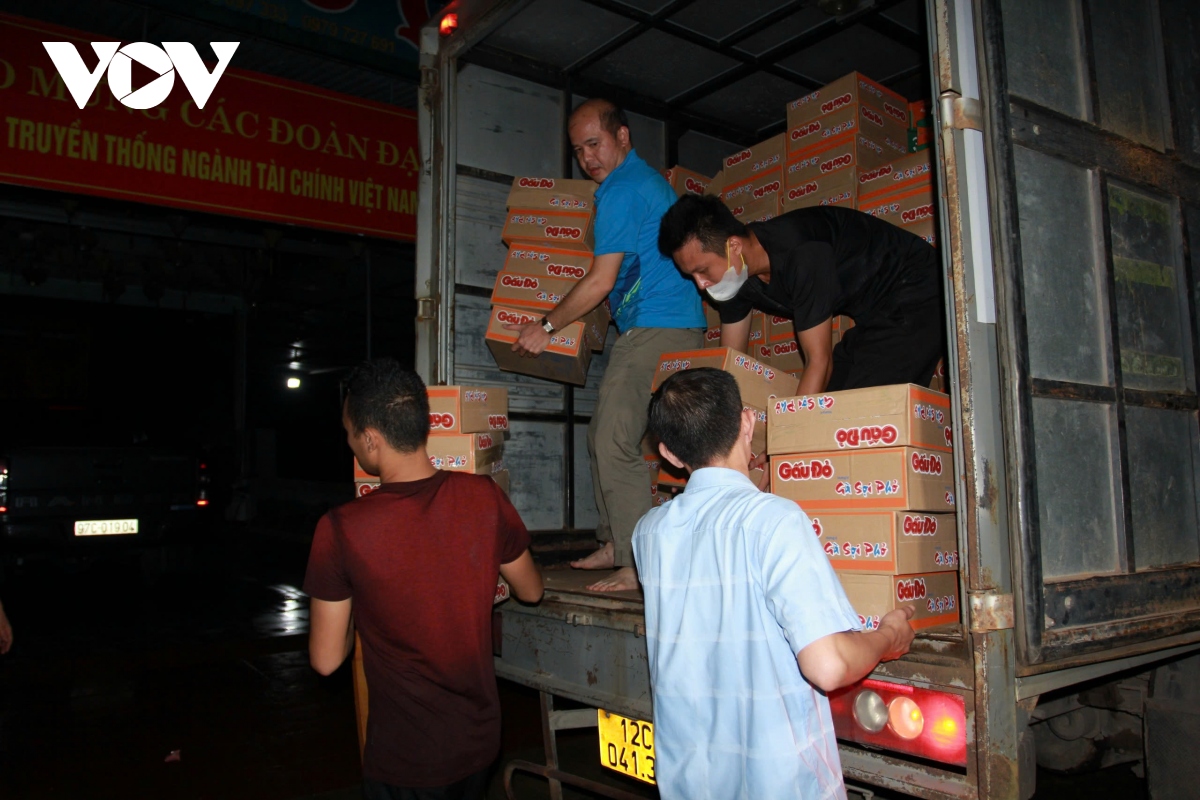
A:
(417, 561)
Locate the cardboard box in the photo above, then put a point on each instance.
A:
(852, 150)
(365, 487)
(549, 261)
(685, 181)
(550, 210)
(889, 479)
(541, 294)
(904, 174)
(849, 90)
(466, 452)
(895, 542)
(758, 210)
(920, 130)
(754, 172)
(503, 478)
(759, 383)
(911, 210)
(467, 409)
(785, 355)
(836, 188)
(566, 359)
(902, 415)
(551, 194)
(850, 122)
(933, 596)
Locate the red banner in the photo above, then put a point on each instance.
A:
(261, 147)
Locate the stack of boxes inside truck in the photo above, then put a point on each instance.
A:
(851, 143)
(874, 470)
(548, 231)
(466, 434)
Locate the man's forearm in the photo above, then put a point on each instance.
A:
(815, 377)
(861, 652)
(586, 295)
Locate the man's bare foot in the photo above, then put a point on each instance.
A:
(624, 579)
(601, 559)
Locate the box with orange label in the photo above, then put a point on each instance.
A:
(880, 416)
(912, 210)
(897, 542)
(501, 477)
(933, 596)
(853, 89)
(759, 383)
(758, 332)
(467, 409)
(550, 211)
(549, 261)
(685, 181)
(466, 452)
(889, 479)
(541, 294)
(754, 172)
(785, 355)
(837, 154)
(835, 188)
(903, 174)
(566, 359)
(850, 122)
(756, 210)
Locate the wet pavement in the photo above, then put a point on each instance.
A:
(137, 676)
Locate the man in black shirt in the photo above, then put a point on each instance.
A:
(811, 265)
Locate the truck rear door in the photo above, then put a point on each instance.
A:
(1092, 114)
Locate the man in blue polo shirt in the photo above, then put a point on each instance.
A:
(656, 309)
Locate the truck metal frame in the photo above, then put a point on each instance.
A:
(1035, 621)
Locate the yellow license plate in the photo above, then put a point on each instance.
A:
(626, 745)
(106, 527)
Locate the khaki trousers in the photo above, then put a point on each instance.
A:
(619, 475)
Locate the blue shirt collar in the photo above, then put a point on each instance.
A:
(630, 157)
(707, 477)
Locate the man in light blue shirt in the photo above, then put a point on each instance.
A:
(746, 623)
(657, 310)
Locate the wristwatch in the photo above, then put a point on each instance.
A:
(546, 326)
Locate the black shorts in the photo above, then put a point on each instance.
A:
(902, 346)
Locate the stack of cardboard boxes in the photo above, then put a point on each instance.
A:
(874, 470)
(852, 143)
(466, 434)
(467, 426)
(548, 231)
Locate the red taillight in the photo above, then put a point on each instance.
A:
(3, 509)
(201, 502)
(448, 25)
(907, 719)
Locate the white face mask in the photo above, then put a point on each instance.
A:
(731, 282)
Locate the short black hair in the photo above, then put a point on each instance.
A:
(383, 395)
(705, 218)
(697, 414)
